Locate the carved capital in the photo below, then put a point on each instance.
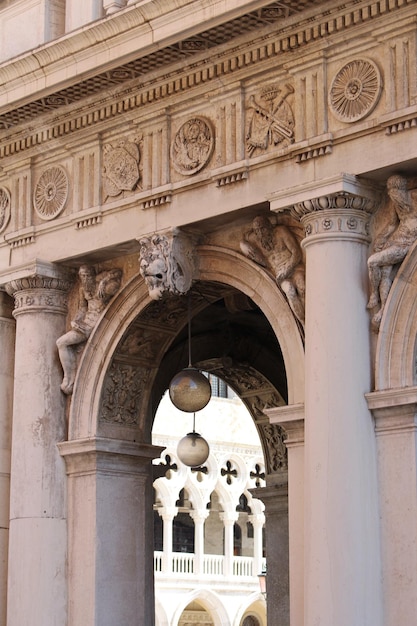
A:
(340, 207)
(40, 287)
(167, 263)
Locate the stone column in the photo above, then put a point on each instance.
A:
(395, 413)
(291, 419)
(342, 528)
(228, 520)
(199, 519)
(275, 498)
(7, 340)
(110, 532)
(38, 532)
(167, 514)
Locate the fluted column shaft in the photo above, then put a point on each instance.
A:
(37, 543)
(7, 340)
(342, 549)
(228, 520)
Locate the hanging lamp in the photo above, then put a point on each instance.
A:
(193, 450)
(189, 390)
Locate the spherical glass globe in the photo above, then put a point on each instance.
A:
(193, 450)
(190, 390)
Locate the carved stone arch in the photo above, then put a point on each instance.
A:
(132, 313)
(395, 362)
(210, 601)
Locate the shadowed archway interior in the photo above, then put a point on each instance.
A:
(231, 338)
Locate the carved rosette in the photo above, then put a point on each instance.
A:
(37, 293)
(4, 208)
(355, 90)
(193, 146)
(51, 193)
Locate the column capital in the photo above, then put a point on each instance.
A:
(340, 206)
(199, 516)
(38, 286)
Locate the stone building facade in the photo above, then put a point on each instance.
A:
(250, 165)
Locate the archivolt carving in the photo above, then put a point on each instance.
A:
(274, 436)
(4, 208)
(192, 146)
(167, 263)
(120, 167)
(271, 122)
(51, 193)
(123, 389)
(355, 90)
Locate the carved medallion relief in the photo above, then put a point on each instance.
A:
(120, 167)
(51, 192)
(355, 90)
(4, 208)
(271, 120)
(192, 146)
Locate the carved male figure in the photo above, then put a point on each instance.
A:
(96, 290)
(392, 244)
(276, 248)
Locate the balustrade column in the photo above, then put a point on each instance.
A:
(37, 585)
(228, 520)
(167, 514)
(342, 536)
(7, 340)
(199, 519)
(258, 522)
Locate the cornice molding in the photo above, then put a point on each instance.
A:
(224, 62)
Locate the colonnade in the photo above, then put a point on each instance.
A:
(97, 492)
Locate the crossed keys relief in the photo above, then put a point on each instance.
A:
(272, 121)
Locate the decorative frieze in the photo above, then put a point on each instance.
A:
(135, 97)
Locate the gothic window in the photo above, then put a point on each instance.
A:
(183, 533)
(157, 532)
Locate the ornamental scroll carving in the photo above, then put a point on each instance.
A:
(271, 121)
(166, 263)
(355, 90)
(122, 392)
(395, 230)
(4, 208)
(273, 243)
(95, 292)
(121, 167)
(51, 193)
(192, 146)
(274, 437)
